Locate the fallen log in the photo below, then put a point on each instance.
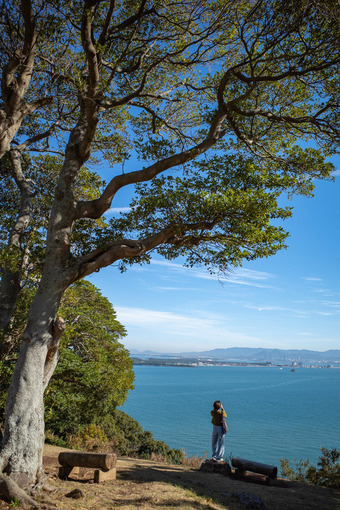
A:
(103, 463)
(243, 465)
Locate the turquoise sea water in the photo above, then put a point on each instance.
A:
(272, 412)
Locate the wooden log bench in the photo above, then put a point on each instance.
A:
(243, 465)
(104, 464)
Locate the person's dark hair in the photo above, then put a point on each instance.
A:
(217, 404)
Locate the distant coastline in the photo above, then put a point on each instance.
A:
(192, 363)
(241, 356)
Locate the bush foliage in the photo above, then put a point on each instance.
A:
(326, 473)
(120, 433)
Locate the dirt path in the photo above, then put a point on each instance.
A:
(147, 484)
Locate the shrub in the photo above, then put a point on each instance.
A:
(326, 475)
(89, 438)
(149, 446)
(130, 439)
(51, 438)
(195, 461)
(296, 472)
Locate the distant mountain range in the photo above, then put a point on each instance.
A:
(251, 354)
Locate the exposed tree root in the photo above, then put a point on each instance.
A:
(10, 491)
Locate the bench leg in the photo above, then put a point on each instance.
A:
(102, 476)
(65, 471)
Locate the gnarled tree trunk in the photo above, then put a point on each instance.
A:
(23, 440)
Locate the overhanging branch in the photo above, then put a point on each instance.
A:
(95, 208)
(129, 248)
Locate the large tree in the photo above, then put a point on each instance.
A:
(210, 109)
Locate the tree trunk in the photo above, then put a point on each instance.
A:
(23, 440)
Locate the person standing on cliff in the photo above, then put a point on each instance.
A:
(218, 413)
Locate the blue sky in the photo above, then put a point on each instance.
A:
(288, 301)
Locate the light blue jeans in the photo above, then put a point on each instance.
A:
(217, 442)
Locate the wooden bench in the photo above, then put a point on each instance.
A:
(243, 465)
(104, 464)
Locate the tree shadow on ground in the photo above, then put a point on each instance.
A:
(221, 489)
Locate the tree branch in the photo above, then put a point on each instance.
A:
(38, 137)
(15, 87)
(128, 248)
(95, 208)
(16, 79)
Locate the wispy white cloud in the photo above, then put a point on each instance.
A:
(325, 292)
(333, 305)
(312, 279)
(240, 276)
(168, 264)
(178, 289)
(142, 316)
(202, 326)
(117, 210)
(299, 312)
(268, 308)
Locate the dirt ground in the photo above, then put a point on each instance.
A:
(143, 484)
